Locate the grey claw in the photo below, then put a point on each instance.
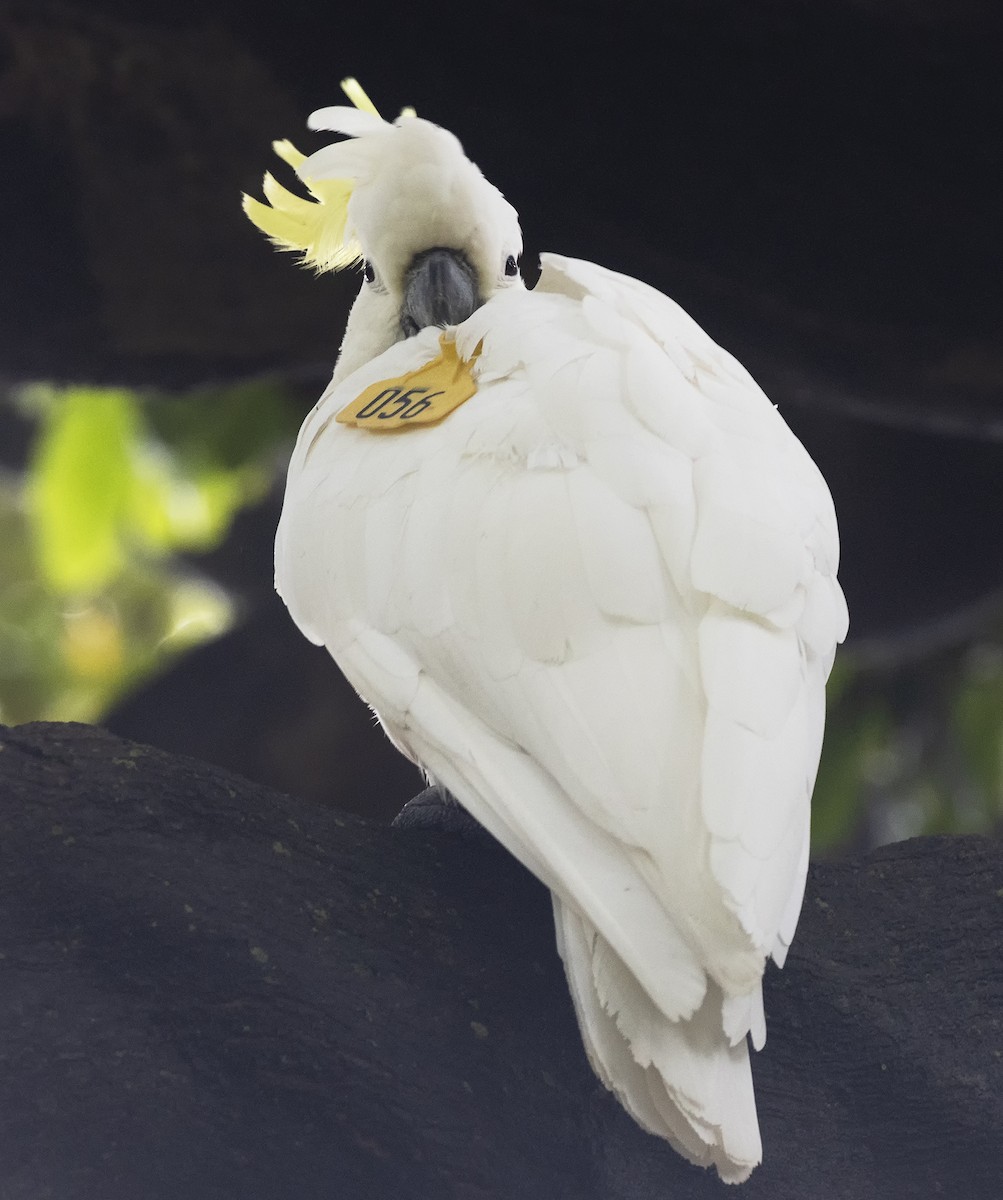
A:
(436, 808)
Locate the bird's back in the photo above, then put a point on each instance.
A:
(597, 601)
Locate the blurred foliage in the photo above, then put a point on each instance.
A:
(914, 747)
(93, 596)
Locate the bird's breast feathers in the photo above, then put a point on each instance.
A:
(597, 600)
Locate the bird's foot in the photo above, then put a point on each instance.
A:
(436, 808)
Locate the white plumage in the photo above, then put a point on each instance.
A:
(597, 602)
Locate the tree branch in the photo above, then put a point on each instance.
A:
(213, 990)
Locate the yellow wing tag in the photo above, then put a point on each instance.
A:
(420, 397)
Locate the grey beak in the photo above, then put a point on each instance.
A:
(440, 288)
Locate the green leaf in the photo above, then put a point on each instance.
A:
(78, 482)
(225, 428)
(978, 720)
(856, 729)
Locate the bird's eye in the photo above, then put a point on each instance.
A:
(511, 265)
(368, 274)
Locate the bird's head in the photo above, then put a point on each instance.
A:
(435, 239)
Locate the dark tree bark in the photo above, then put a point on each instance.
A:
(211, 990)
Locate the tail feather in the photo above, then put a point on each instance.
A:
(681, 1080)
(743, 1015)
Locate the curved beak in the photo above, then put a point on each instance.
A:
(440, 288)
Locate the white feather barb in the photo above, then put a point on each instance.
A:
(349, 121)
(678, 1079)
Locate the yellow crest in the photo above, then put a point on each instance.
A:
(315, 227)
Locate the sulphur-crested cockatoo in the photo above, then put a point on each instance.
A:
(585, 575)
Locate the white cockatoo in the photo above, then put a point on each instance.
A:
(585, 575)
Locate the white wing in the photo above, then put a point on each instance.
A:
(598, 603)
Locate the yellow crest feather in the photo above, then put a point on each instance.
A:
(357, 94)
(315, 227)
